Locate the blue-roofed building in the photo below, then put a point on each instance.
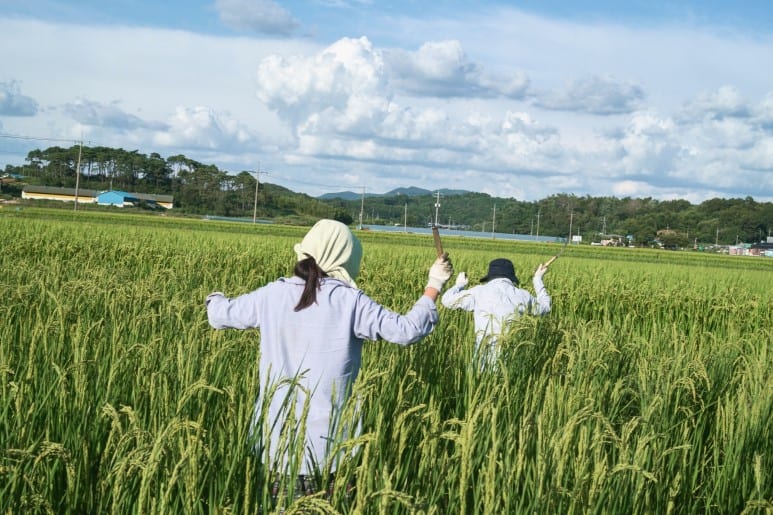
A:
(116, 198)
(105, 198)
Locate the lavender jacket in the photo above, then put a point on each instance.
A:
(323, 343)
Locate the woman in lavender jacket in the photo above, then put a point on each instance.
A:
(312, 329)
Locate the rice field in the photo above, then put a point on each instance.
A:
(648, 388)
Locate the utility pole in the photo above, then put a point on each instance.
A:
(437, 205)
(716, 241)
(255, 204)
(571, 218)
(604, 226)
(405, 218)
(362, 206)
(539, 212)
(78, 172)
(493, 221)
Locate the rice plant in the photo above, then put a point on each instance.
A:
(647, 389)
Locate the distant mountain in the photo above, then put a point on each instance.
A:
(410, 191)
(344, 195)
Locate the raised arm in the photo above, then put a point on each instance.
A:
(237, 313)
(543, 301)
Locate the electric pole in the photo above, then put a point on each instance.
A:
(255, 204)
(437, 205)
(493, 221)
(539, 212)
(362, 206)
(78, 171)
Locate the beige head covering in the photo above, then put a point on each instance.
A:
(335, 249)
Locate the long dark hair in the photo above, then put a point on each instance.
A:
(308, 270)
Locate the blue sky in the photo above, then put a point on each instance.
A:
(515, 99)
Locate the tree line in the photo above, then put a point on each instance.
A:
(641, 221)
(200, 188)
(197, 188)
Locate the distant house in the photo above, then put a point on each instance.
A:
(105, 198)
(61, 194)
(117, 198)
(763, 248)
(742, 249)
(613, 240)
(10, 177)
(165, 201)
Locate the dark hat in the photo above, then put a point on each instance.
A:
(501, 268)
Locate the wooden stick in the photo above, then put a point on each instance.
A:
(559, 252)
(438, 243)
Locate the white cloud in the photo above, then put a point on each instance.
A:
(344, 84)
(647, 146)
(631, 189)
(725, 102)
(764, 113)
(441, 105)
(730, 133)
(126, 85)
(340, 104)
(87, 112)
(760, 157)
(595, 95)
(202, 128)
(345, 104)
(14, 103)
(441, 69)
(261, 16)
(706, 158)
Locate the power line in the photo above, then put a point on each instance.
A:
(40, 138)
(327, 187)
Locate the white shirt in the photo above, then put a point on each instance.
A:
(322, 342)
(495, 303)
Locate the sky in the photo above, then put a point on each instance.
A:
(520, 99)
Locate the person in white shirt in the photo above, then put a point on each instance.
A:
(312, 329)
(496, 302)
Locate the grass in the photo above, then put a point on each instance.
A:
(648, 389)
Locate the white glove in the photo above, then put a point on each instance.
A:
(461, 280)
(540, 271)
(440, 272)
